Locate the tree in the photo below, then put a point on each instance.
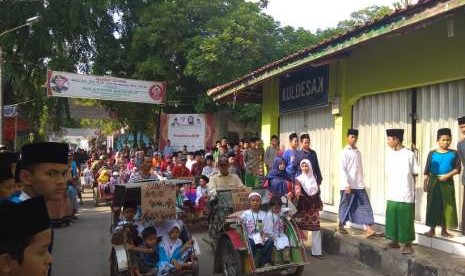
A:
(63, 40)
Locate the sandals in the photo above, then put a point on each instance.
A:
(406, 250)
(343, 231)
(392, 245)
(374, 235)
(429, 234)
(446, 235)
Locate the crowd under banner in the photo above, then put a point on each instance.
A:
(70, 85)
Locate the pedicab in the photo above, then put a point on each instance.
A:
(229, 240)
(102, 193)
(157, 201)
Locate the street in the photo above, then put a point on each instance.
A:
(83, 249)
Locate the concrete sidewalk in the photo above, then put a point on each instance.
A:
(371, 252)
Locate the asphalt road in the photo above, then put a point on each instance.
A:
(82, 249)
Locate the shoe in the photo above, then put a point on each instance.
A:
(319, 257)
(267, 265)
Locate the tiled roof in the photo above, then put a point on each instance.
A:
(393, 16)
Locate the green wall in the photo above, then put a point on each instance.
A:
(270, 110)
(416, 58)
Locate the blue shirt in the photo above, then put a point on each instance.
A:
(290, 157)
(442, 162)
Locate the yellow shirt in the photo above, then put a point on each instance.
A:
(221, 182)
(104, 177)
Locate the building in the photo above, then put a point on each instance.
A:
(406, 70)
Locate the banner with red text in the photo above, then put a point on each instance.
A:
(69, 85)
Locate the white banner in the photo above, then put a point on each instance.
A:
(69, 85)
(187, 129)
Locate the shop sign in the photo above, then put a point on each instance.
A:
(302, 89)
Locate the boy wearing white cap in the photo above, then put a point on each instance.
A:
(253, 220)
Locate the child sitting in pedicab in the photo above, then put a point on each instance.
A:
(274, 228)
(145, 256)
(173, 254)
(253, 220)
(129, 213)
(201, 198)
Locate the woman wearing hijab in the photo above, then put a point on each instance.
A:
(309, 205)
(278, 180)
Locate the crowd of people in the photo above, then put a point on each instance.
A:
(45, 182)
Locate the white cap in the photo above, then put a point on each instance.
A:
(252, 194)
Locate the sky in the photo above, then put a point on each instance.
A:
(317, 14)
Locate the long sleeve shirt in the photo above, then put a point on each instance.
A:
(290, 157)
(223, 182)
(351, 169)
(461, 152)
(270, 153)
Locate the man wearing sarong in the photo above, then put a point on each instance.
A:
(441, 166)
(354, 205)
(461, 152)
(401, 169)
(252, 163)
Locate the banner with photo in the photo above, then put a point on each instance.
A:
(69, 85)
(188, 130)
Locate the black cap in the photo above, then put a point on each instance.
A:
(444, 131)
(204, 178)
(130, 205)
(8, 157)
(352, 131)
(23, 219)
(461, 120)
(395, 132)
(44, 152)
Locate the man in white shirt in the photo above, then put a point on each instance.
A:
(401, 169)
(354, 205)
(223, 180)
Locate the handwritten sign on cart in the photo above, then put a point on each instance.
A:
(240, 198)
(158, 201)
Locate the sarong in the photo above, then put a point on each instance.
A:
(440, 208)
(355, 207)
(308, 212)
(400, 218)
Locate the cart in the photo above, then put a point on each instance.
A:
(228, 238)
(102, 193)
(120, 259)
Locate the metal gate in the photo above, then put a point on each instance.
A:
(438, 106)
(318, 123)
(372, 116)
